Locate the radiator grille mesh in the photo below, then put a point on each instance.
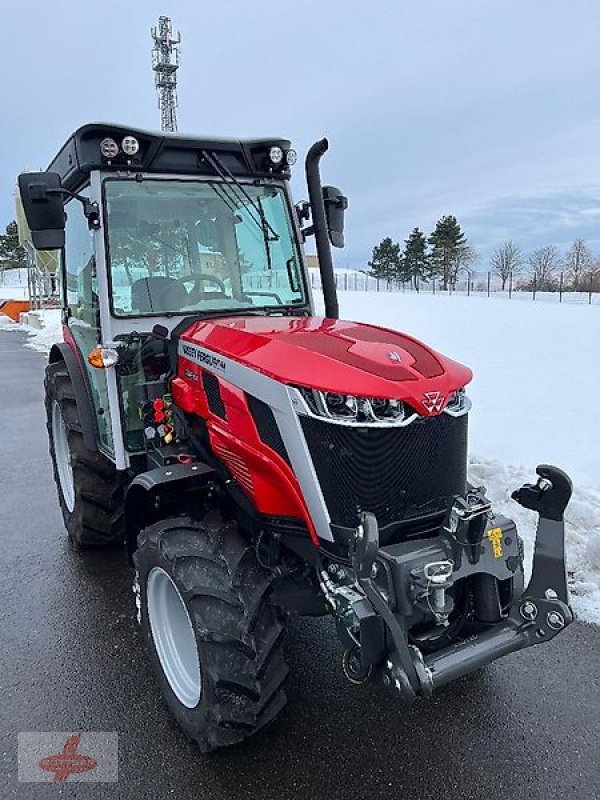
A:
(395, 473)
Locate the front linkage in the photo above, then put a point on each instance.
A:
(391, 586)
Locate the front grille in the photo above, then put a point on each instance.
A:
(397, 474)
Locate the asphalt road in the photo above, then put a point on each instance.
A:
(71, 658)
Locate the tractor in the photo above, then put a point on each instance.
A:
(254, 459)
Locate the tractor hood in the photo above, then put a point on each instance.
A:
(332, 355)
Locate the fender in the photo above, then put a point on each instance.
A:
(153, 494)
(81, 388)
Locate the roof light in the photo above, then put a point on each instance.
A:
(103, 357)
(276, 154)
(290, 157)
(130, 145)
(109, 148)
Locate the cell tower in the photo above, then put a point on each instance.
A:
(165, 63)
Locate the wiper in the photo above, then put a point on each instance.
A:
(242, 195)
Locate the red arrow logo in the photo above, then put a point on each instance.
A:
(69, 762)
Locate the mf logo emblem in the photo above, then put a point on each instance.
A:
(433, 401)
(394, 356)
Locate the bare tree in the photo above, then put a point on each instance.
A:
(543, 264)
(507, 259)
(577, 262)
(463, 259)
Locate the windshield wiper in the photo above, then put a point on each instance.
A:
(242, 195)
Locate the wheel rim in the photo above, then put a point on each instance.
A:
(174, 638)
(62, 455)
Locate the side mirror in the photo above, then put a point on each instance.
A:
(42, 198)
(335, 206)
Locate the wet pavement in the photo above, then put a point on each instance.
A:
(71, 658)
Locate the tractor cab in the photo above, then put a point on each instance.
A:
(158, 228)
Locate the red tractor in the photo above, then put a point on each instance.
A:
(259, 460)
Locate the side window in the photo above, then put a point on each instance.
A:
(79, 270)
(80, 266)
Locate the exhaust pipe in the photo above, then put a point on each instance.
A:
(319, 223)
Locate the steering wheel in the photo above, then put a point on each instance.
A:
(200, 278)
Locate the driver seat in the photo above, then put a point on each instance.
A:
(157, 294)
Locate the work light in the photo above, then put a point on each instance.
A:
(109, 148)
(276, 154)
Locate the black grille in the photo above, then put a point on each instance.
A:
(396, 473)
(213, 394)
(266, 425)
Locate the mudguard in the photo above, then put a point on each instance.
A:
(81, 388)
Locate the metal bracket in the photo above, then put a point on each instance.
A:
(549, 497)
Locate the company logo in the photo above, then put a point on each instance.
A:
(394, 356)
(69, 762)
(433, 401)
(202, 357)
(89, 757)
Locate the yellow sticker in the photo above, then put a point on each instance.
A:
(495, 535)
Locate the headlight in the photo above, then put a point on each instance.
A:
(458, 404)
(130, 145)
(109, 148)
(290, 158)
(338, 406)
(276, 155)
(360, 410)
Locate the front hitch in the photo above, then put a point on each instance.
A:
(537, 616)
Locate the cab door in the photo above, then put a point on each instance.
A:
(83, 313)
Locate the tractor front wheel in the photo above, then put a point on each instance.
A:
(214, 638)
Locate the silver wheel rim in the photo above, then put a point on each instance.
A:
(62, 455)
(173, 637)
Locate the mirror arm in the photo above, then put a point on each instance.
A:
(90, 208)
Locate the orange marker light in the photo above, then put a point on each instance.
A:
(102, 357)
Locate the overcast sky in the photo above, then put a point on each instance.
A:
(486, 109)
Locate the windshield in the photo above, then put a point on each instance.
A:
(187, 246)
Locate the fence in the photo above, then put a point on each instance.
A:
(486, 285)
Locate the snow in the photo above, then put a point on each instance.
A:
(40, 339)
(535, 395)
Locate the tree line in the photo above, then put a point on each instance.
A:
(446, 252)
(547, 269)
(442, 255)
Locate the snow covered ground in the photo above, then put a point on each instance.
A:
(535, 394)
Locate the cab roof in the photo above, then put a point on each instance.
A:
(165, 153)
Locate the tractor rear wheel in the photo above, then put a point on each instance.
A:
(90, 491)
(214, 638)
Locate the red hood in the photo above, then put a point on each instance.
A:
(333, 355)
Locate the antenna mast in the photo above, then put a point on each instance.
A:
(165, 63)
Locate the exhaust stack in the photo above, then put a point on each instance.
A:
(319, 222)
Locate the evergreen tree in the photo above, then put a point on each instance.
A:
(414, 260)
(449, 247)
(12, 255)
(386, 260)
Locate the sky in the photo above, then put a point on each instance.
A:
(485, 109)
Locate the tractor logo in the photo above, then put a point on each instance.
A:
(394, 356)
(433, 402)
